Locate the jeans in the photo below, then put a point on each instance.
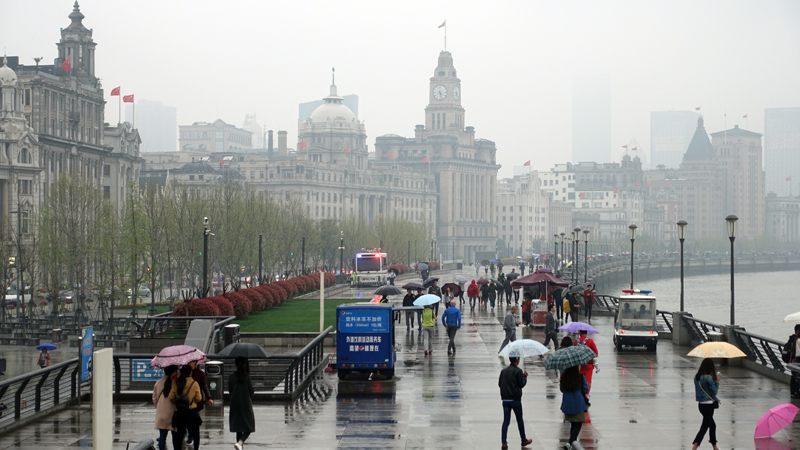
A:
(491, 302)
(242, 437)
(574, 431)
(472, 302)
(177, 437)
(435, 310)
(429, 336)
(410, 318)
(511, 336)
(516, 406)
(551, 336)
(589, 310)
(162, 439)
(516, 296)
(451, 333)
(708, 424)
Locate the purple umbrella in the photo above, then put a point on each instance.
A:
(577, 327)
(177, 355)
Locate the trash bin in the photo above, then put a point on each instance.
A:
(214, 378)
(56, 335)
(230, 334)
(2, 366)
(714, 336)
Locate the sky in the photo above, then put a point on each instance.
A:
(517, 61)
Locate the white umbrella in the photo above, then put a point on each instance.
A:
(523, 348)
(791, 318)
(460, 279)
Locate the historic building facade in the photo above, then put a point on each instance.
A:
(522, 210)
(464, 168)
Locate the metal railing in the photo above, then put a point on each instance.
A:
(305, 362)
(39, 392)
(158, 325)
(700, 328)
(761, 350)
(664, 319)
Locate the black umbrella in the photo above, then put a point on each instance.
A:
(396, 272)
(576, 289)
(247, 350)
(482, 281)
(511, 276)
(413, 286)
(388, 290)
(454, 288)
(429, 281)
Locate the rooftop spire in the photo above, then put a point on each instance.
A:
(76, 16)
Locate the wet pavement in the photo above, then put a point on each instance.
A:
(639, 400)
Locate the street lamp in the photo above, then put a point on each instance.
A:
(341, 253)
(576, 238)
(206, 233)
(585, 255)
(632, 229)
(681, 237)
(562, 247)
(731, 220)
(555, 254)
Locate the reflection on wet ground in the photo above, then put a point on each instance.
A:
(639, 400)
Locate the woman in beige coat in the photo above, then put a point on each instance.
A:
(164, 407)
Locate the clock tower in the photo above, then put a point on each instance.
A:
(444, 112)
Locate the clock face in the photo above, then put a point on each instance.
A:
(456, 93)
(439, 92)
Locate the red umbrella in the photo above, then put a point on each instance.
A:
(540, 276)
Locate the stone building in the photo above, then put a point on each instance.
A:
(522, 211)
(782, 218)
(217, 136)
(464, 168)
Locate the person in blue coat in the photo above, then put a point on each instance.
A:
(706, 386)
(451, 319)
(574, 388)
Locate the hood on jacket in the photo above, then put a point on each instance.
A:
(473, 282)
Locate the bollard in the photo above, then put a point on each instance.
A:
(56, 335)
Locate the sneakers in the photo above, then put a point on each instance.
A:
(527, 442)
(237, 446)
(504, 446)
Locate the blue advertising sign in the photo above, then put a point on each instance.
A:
(141, 371)
(364, 320)
(86, 354)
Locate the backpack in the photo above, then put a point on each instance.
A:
(786, 352)
(182, 402)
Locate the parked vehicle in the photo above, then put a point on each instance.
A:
(635, 323)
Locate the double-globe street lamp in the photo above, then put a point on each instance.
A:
(681, 237)
(576, 239)
(562, 248)
(585, 255)
(731, 221)
(632, 229)
(555, 254)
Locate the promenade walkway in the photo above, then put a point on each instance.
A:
(639, 401)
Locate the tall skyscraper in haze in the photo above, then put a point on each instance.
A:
(157, 124)
(782, 150)
(670, 135)
(591, 119)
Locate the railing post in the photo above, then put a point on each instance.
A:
(117, 376)
(74, 383)
(681, 335)
(18, 398)
(57, 383)
(38, 400)
(729, 335)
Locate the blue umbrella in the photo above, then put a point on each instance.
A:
(48, 346)
(494, 260)
(427, 299)
(577, 327)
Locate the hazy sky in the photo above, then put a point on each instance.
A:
(516, 60)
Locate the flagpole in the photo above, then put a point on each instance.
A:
(445, 36)
(726, 127)
(119, 105)
(133, 105)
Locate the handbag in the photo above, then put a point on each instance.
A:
(716, 402)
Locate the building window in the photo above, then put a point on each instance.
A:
(24, 222)
(200, 177)
(25, 187)
(106, 170)
(24, 157)
(191, 177)
(107, 191)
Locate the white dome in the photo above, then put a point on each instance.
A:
(7, 76)
(332, 109)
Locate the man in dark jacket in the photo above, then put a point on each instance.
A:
(512, 380)
(484, 293)
(408, 300)
(551, 328)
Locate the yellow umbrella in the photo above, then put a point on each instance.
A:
(716, 350)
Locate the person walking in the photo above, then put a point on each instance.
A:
(587, 370)
(566, 308)
(437, 291)
(510, 326)
(419, 312)
(574, 307)
(185, 392)
(512, 380)
(428, 324)
(164, 407)
(551, 328)
(509, 293)
(791, 354)
(574, 388)
(492, 268)
(526, 310)
(588, 300)
(390, 276)
(706, 386)
(461, 293)
(484, 290)
(492, 294)
(199, 376)
(241, 419)
(472, 293)
(558, 299)
(44, 359)
(408, 300)
(477, 269)
(451, 319)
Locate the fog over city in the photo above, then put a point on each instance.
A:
(517, 61)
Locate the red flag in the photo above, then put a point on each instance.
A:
(127, 98)
(303, 144)
(697, 109)
(625, 146)
(789, 178)
(66, 65)
(744, 116)
(647, 184)
(634, 148)
(617, 191)
(115, 91)
(582, 194)
(347, 150)
(426, 160)
(527, 163)
(637, 184)
(443, 24)
(391, 156)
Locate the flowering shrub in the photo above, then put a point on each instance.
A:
(197, 307)
(330, 279)
(256, 299)
(266, 294)
(223, 305)
(241, 304)
(400, 268)
(434, 266)
(280, 293)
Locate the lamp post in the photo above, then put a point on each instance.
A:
(731, 220)
(632, 229)
(341, 253)
(206, 233)
(562, 247)
(681, 237)
(576, 239)
(555, 254)
(585, 255)
(408, 259)
(260, 259)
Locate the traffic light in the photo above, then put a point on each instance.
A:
(291, 254)
(200, 253)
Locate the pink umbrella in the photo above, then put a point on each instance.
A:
(177, 355)
(776, 419)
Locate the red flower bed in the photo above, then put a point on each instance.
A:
(289, 287)
(280, 293)
(434, 266)
(266, 294)
(330, 279)
(400, 268)
(256, 299)
(197, 307)
(224, 306)
(241, 304)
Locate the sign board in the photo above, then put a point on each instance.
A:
(364, 320)
(141, 371)
(86, 354)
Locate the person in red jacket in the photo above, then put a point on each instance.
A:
(473, 292)
(587, 369)
(588, 299)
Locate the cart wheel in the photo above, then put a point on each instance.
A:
(618, 344)
(343, 373)
(389, 374)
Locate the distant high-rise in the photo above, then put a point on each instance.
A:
(351, 101)
(670, 135)
(157, 124)
(782, 150)
(253, 127)
(591, 119)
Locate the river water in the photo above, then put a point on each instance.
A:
(762, 299)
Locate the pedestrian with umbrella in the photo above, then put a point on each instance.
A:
(433, 288)
(44, 355)
(408, 300)
(460, 281)
(512, 380)
(706, 386)
(509, 292)
(164, 407)
(484, 290)
(472, 293)
(428, 318)
(574, 389)
(241, 419)
(185, 392)
(492, 293)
